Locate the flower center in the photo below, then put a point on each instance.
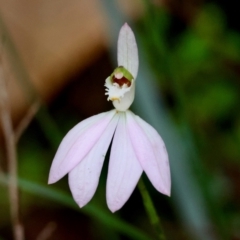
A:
(121, 81)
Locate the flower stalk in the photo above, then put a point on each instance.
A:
(151, 211)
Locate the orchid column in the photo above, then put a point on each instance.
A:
(136, 146)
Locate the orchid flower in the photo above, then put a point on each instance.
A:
(136, 146)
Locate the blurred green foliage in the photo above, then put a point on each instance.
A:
(196, 64)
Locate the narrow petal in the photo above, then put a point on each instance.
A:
(84, 178)
(151, 152)
(127, 50)
(124, 170)
(77, 143)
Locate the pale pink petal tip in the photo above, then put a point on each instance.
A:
(50, 180)
(127, 50)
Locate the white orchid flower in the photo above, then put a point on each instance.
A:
(136, 146)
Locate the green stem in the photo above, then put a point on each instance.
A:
(151, 211)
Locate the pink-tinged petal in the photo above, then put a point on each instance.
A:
(127, 50)
(124, 170)
(83, 179)
(77, 143)
(151, 152)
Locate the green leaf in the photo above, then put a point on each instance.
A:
(91, 210)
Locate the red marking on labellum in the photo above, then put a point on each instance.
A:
(122, 81)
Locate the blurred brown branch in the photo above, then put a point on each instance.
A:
(26, 120)
(47, 231)
(11, 155)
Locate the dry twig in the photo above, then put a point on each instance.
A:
(26, 120)
(11, 155)
(47, 232)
